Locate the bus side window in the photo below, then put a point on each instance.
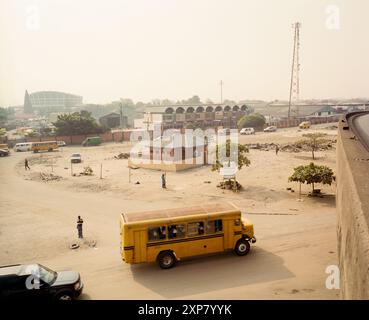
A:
(157, 233)
(195, 228)
(176, 231)
(214, 226)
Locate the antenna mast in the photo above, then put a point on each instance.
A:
(295, 71)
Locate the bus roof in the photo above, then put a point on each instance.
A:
(216, 208)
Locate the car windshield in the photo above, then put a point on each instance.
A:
(76, 155)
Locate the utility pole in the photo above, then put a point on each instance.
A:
(221, 91)
(295, 70)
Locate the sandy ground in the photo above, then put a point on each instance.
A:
(296, 239)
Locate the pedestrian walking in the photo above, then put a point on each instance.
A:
(79, 227)
(163, 181)
(276, 150)
(26, 166)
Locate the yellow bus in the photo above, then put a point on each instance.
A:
(167, 236)
(44, 146)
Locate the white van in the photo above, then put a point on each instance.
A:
(23, 146)
(247, 131)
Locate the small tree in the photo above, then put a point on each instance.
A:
(313, 141)
(239, 152)
(241, 155)
(254, 120)
(312, 174)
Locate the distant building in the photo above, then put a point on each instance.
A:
(113, 120)
(51, 100)
(197, 116)
(27, 108)
(324, 112)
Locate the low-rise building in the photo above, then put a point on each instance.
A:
(192, 116)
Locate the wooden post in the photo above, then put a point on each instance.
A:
(101, 171)
(71, 168)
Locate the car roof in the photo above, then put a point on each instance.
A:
(7, 270)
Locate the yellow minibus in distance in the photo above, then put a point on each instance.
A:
(44, 146)
(167, 236)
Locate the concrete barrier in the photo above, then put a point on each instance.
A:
(352, 214)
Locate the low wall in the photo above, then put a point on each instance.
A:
(352, 215)
(113, 136)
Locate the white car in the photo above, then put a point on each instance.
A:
(61, 143)
(24, 146)
(76, 158)
(247, 131)
(270, 129)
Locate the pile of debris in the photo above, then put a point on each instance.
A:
(261, 146)
(87, 171)
(230, 185)
(49, 177)
(122, 155)
(289, 147)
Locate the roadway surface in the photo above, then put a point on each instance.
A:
(360, 126)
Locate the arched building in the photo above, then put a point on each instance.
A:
(192, 116)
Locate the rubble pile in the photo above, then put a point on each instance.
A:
(122, 155)
(49, 177)
(87, 171)
(229, 185)
(289, 147)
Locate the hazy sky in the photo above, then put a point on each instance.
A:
(145, 49)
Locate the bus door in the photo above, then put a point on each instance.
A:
(215, 236)
(228, 229)
(140, 246)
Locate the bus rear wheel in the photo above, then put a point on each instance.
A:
(166, 260)
(242, 247)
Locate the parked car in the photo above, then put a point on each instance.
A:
(91, 141)
(305, 125)
(24, 146)
(35, 281)
(245, 131)
(4, 152)
(270, 129)
(76, 158)
(61, 143)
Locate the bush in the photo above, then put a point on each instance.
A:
(254, 120)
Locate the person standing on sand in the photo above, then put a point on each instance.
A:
(163, 181)
(79, 227)
(276, 150)
(26, 166)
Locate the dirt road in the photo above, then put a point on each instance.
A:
(296, 240)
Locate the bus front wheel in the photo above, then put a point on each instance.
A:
(166, 260)
(242, 247)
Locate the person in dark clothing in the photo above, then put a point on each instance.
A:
(276, 150)
(163, 181)
(26, 166)
(79, 227)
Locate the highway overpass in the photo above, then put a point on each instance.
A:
(353, 204)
